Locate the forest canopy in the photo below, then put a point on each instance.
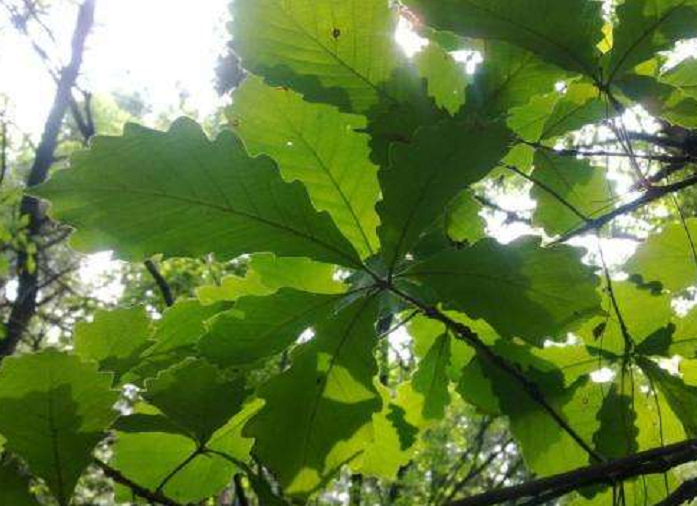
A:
(456, 271)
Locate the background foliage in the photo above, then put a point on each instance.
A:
(387, 278)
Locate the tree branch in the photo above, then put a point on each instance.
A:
(654, 461)
(24, 306)
(652, 194)
(618, 154)
(684, 493)
(161, 282)
(551, 191)
(140, 491)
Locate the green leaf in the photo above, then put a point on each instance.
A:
(426, 332)
(446, 78)
(393, 441)
(179, 194)
(339, 53)
(318, 146)
(509, 77)
(617, 434)
(530, 283)
(430, 379)
(546, 447)
(182, 326)
(660, 99)
(424, 176)
(680, 396)
(577, 182)
(566, 35)
(174, 338)
(14, 488)
(558, 113)
(668, 257)
(683, 342)
(643, 313)
(114, 338)
(645, 27)
(268, 273)
(683, 76)
(55, 409)
(463, 222)
(260, 327)
(398, 119)
(197, 396)
(204, 476)
(317, 414)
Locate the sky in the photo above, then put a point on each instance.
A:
(155, 47)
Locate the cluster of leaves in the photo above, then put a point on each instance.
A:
(349, 175)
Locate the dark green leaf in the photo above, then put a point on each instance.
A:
(179, 194)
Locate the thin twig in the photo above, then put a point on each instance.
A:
(652, 194)
(138, 490)
(551, 191)
(511, 216)
(618, 154)
(161, 282)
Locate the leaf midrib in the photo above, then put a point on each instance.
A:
(320, 392)
(320, 161)
(332, 55)
(224, 209)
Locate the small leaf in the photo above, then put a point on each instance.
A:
(325, 401)
(335, 53)
(645, 27)
(196, 396)
(260, 327)
(431, 379)
(267, 273)
(668, 257)
(579, 184)
(643, 314)
(204, 476)
(446, 78)
(114, 338)
(55, 409)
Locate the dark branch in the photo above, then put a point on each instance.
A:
(652, 194)
(684, 493)
(140, 491)
(161, 282)
(618, 154)
(511, 216)
(654, 461)
(549, 190)
(24, 306)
